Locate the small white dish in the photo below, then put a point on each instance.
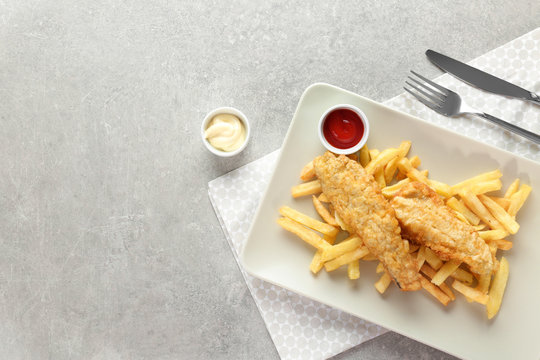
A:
(358, 145)
(225, 110)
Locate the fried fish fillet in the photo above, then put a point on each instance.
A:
(425, 219)
(358, 201)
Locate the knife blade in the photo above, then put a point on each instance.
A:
(480, 79)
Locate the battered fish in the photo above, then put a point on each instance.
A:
(358, 201)
(425, 219)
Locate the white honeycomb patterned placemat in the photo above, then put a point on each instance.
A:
(304, 329)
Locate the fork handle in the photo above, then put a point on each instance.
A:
(511, 127)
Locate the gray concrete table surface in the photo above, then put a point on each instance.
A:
(109, 247)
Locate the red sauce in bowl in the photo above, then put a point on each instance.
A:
(343, 128)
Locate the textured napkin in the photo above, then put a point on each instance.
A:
(304, 329)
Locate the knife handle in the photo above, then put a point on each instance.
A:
(511, 127)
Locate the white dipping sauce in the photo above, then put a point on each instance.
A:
(225, 132)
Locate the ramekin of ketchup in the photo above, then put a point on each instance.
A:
(343, 129)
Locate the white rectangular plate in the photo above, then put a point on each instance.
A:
(462, 328)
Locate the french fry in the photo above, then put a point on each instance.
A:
(405, 166)
(346, 258)
(323, 212)
(382, 284)
(430, 272)
(479, 227)
(303, 233)
(424, 173)
(485, 186)
(502, 201)
(380, 268)
(390, 170)
(491, 175)
(364, 156)
(330, 239)
(514, 186)
(406, 245)
(323, 198)
(343, 247)
(415, 163)
(370, 257)
(413, 248)
(461, 217)
(445, 271)
(502, 244)
(353, 269)
(446, 289)
(435, 291)
(463, 276)
(381, 160)
(316, 264)
(476, 206)
(483, 283)
(379, 177)
(392, 190)
(500, 214)
(493, 249)
(416, 175)
(307, 188)
(458, 206)
(441, 188)
(470, 292)
(373, 153)
(432, 259)
(518, 199)
(496, 291)
(489, 235)
(421, 256)
(342, 225)
(391, 167)
(404, 148)
(303, 219)
(308, 172)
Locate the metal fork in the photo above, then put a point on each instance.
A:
(449, 103)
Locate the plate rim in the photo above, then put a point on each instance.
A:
(243, 256)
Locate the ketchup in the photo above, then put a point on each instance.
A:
(343, 128)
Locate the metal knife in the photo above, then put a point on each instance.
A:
(480, 79)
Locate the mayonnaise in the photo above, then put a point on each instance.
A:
(225, 132)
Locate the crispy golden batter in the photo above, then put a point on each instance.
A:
(425, 219)
(358, 201)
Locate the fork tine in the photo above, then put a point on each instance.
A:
(433, 98)
(435, 85)
(429, 88)
(423, 100)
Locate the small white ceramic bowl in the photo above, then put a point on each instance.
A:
(362, 141)
(225, 110)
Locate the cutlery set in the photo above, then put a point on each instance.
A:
(447, 102)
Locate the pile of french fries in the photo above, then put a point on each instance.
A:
(471, 200)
